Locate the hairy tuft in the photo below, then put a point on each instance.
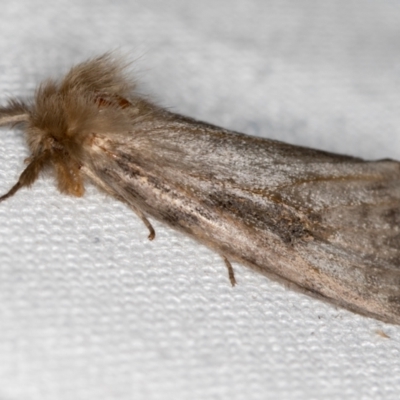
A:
(94, 98)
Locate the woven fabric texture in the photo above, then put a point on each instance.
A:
(89, 308)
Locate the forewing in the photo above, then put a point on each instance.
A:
(327, 223)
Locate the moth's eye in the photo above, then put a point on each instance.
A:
(107, 101)
(123, 103)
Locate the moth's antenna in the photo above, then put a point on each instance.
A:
(13, 119)
(15, 112)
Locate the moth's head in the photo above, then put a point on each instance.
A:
(64, 115)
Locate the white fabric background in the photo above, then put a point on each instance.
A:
(89, 308)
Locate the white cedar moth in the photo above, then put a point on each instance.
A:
(324, 223)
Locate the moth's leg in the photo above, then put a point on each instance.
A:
(231, 273)
(102, 182)
(152, 232)
(29, 175)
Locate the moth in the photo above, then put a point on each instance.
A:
(322, 223)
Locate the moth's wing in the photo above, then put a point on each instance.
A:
(354, 223)
(327, 223)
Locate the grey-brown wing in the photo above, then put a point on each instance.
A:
(327, 223)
